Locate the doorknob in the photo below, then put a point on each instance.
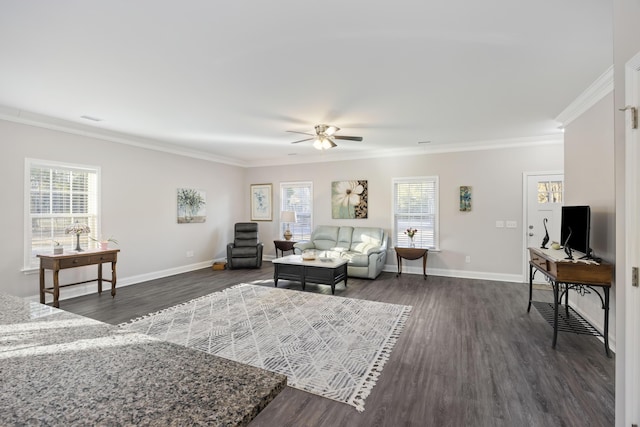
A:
(530, 234)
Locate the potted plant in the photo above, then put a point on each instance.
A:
(104, 243)
(57, 248)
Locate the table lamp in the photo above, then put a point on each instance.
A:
(288, 217)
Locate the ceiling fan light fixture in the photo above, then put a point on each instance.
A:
(329, 131)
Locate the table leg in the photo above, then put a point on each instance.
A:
(399, 260)
(99, 279)
(566, 300)
(556, 302)
(275, 276)
(530, 287)
(113, 279)
(606, 321)
(56, 289)
(424, 266)
(41, 285)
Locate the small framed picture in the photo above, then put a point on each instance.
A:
(465, 198)
(261, 202)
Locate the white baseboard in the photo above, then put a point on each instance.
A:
(462, 274)
(91, 287)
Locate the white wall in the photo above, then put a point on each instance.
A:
(496, 178)
(590, 180)
(138, 205)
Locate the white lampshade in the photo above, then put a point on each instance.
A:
(288, 216)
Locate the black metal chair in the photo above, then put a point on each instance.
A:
(246, 250)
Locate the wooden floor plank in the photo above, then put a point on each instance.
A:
(470, 354)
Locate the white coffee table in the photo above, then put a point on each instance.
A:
(324, 271)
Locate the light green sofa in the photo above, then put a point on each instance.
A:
(364, 247)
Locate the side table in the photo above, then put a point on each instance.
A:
(283, 246)
(411, 254)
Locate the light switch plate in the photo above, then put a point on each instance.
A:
(499, 224)
(512, 224)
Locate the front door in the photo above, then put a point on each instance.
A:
(544, 197)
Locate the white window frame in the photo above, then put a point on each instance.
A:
(399, 238)
(30, 259)
(297, 233)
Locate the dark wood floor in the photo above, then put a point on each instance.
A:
(470, 354)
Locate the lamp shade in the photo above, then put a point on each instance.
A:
(288, 216)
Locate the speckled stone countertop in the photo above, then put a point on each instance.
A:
(58, 368)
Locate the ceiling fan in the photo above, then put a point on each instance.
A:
(324, 137)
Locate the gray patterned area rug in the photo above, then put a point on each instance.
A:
(326, 345)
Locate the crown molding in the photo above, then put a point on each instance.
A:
(46, 122)
(435, 148)
(587, 99)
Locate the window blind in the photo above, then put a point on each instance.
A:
(415, 205)
(58, 195)
(298, 197)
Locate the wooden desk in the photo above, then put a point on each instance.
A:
(411, 254)
(564, 275)
(72, 260)
(284, 246)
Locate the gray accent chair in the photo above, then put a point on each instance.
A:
(365, 248)
(246, 250)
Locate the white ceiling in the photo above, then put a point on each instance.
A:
(228, 79)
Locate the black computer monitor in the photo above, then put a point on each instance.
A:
(575, 228)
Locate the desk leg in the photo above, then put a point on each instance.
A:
(56, 288)
(556, 302)
(399, 260)
(99, 279)
(530, 287)
(41, 285)
(113, 279)
(606, 321)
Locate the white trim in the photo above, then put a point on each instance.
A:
(33, 119)
(91, 287)
(38, 120)
(460, 274)
(630, 296)
(587, 99)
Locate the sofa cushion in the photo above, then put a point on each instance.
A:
(365, 238)
(344, 237)
(356, 259)
(325, 237)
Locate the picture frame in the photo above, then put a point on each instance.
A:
(261, 202)
(465, 198)
(191, 205)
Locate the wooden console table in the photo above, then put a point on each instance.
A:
(582, 276)
(411, 254)
(72, 260)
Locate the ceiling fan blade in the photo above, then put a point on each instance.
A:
(304, 133)
(302, 140)
(348, 138)
(333, 144)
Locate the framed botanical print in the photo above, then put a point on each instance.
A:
(261, 202)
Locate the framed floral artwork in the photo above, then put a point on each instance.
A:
(191, 206)
(261, 202)
(349, 199)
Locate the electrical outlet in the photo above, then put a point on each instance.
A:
(467, 259)
(189, 254)
(499, 224)
(512, 224)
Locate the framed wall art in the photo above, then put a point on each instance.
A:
(191, 206)
(349, 199)
(261, 202)
(465, 198)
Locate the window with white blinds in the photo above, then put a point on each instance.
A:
(297, 197)
(415, 205)
(58, 195)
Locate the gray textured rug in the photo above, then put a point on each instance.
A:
(326, 345)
